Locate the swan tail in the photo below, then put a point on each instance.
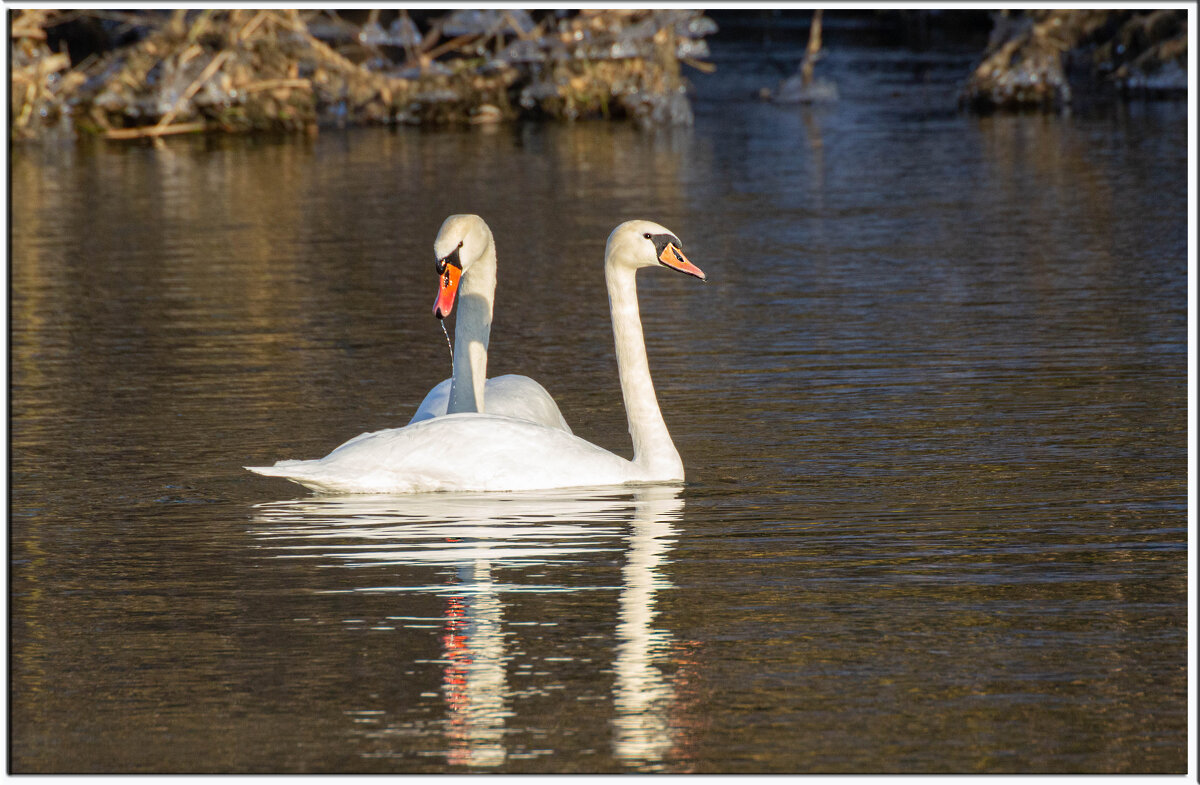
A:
(302, 472)
(280, 469)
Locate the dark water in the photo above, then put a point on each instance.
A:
(931, 404)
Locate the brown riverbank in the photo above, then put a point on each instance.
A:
(157, 73)
(1045, 58)
(146, 74)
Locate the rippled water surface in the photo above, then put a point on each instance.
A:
(931, 403)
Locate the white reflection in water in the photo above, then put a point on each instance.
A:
(643, 696)
(482, 533)
(473, 680)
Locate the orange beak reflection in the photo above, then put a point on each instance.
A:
(447, 289)
(673, 257)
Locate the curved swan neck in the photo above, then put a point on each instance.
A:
(653, 449)
(472, 329)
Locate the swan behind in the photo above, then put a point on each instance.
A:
(465, 257)
(511, 395)
(475, 451)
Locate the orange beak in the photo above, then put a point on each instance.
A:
(447, 289)
(673, 257)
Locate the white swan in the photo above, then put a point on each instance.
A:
(487, 452)
(466, 259)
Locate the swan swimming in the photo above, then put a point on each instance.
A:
(474, 451)
(466, 265)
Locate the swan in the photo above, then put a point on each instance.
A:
(473, 451)
(466, 260)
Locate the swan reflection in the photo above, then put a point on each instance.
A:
(519, 530)
(643, 696)
(473, 680)
(475, 538)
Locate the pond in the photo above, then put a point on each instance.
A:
(931, 403)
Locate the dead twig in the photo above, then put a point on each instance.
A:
(149, 131)
(204, 76)
(453, 43)
(252, 25)
(271, 84)
(27, 109)
(431, 38)
(26, 31)
(512, 21)
(327, 51)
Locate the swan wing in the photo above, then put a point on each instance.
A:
(435, 402)
(510, 395)
(518, 396)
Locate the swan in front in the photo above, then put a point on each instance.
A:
(465, 254)
(487, 452)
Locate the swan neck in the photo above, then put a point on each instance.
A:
(472, 330)
(653, 451)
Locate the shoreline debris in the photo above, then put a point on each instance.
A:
(1043, 59)
(186, 71)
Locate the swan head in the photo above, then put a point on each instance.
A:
(461, 242)
(647, 244)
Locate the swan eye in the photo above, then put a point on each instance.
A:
(646, 235)
(449, 259)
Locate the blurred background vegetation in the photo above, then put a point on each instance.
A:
(148, 73)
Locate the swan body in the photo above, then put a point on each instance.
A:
(474, 451)
(466, 264)
(458, 452)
